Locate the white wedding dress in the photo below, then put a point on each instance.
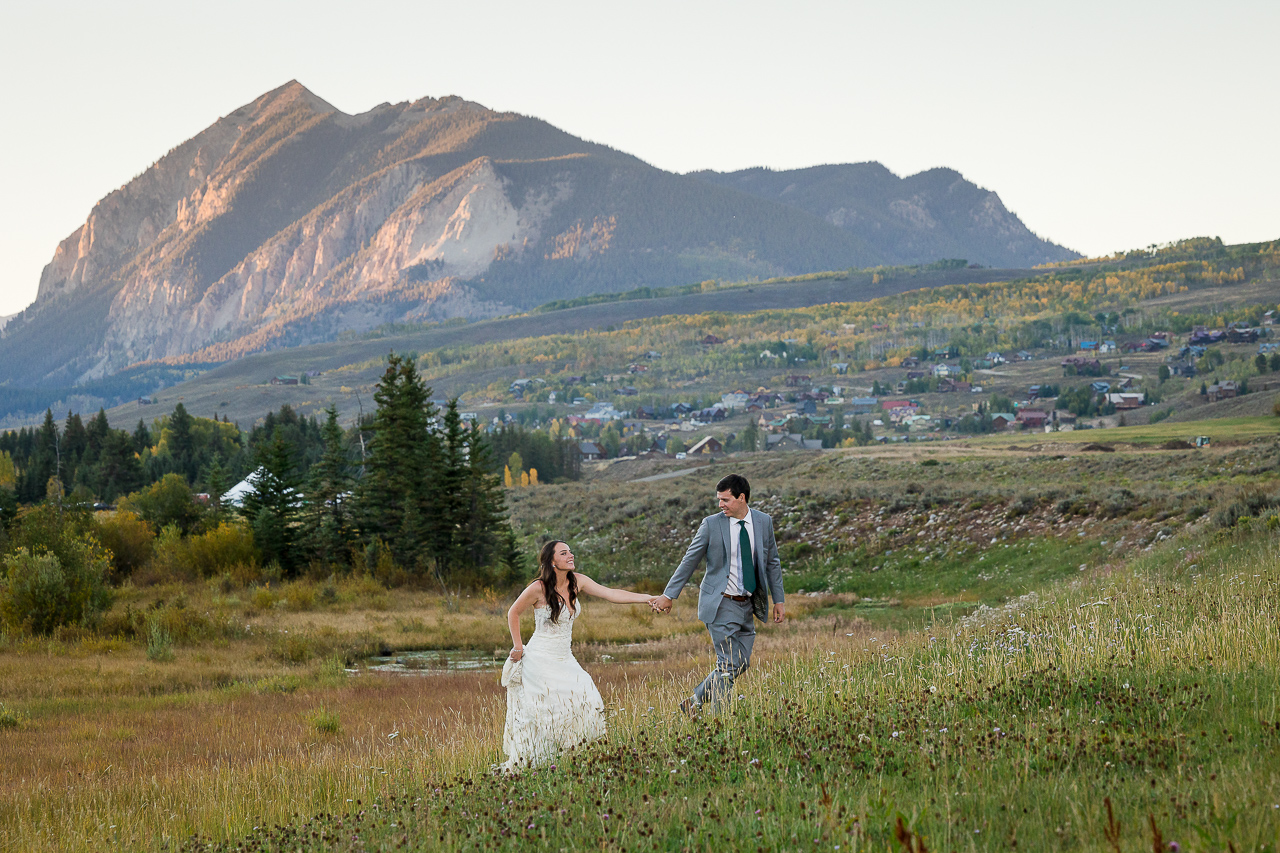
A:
(552, 704)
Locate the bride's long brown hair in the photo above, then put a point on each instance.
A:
(547, 577)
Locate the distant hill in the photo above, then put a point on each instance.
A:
(289, 222)
(935, 214)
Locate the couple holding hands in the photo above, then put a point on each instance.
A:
(552, 703)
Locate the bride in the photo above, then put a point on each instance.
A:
(552, 704)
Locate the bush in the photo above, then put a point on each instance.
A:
(40, 592)
(167, 501)
(159, 642)
(130, 540)
(226, 547)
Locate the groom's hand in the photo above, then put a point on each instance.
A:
(660, 604)
(779, 611)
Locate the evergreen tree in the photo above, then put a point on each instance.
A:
(75, 441)
(401, 464)
(326, 525)
(141, 437)
(484, 532)
(118, 470)
(181, 443)
(272, 507)
(449, 502)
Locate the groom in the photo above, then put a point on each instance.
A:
(742, 560)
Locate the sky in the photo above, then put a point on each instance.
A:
(1104, 125)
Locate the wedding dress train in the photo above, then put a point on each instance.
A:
(552, 703)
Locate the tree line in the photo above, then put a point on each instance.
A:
(411, 493)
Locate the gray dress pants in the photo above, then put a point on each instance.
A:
(733, 633)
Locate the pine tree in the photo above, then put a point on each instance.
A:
(449, 499)
(326, 524)
(272, 507)
(484, 532)
(181, 443)
(402, 462)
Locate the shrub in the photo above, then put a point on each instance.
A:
(130, 540)
(227, 546)
(41, 592)
(326, 722)
(8, 718)
(167, 501)
(159, 642)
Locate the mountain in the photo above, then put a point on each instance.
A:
(934, 214)
(289, 222)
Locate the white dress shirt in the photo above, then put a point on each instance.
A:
(735, 586)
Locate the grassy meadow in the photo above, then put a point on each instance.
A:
(990, 646)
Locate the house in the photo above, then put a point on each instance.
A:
(767, 354)
(864, 405)
(913, 375)
(1032, 418)
(793, 441)
(711, 340)
(1124, 401)
(734, 400)
(708, 445)
(653, 453)
(589, 451)
(1033, 392)
(1222, 391)
(711, 415)
(1023, 355)
(909, 361)
(628, 391)
(995, 358)
(841, 367)
(681, 409)
(653, 355)
(1100, 387)
(946, 386)
(1076, 365)
(806, 407)
(889, 405)
(601, 412)
(1242, 336)
(1182, 368)
(1001, 420)
(145, 401)
(944, 369)
(798, 379)
(1065, 420)
(284, 380)
(1107, 346)
(646, 413)
(1089, 346)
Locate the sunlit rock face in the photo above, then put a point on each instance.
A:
(289, 222)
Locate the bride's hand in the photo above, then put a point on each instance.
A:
(516, 654)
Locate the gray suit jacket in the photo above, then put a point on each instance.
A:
(711, 542)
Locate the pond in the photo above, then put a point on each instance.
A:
(435, 661)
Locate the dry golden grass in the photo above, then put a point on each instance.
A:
(116, 764)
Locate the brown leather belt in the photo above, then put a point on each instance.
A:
(738, 597)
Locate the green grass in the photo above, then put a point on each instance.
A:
(1220, 429)
(1116, 706)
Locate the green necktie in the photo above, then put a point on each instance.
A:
(748, 565)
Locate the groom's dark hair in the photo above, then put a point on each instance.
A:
(736, 485)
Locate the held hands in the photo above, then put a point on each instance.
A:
(660, 604)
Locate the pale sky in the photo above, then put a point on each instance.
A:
(1103, 125)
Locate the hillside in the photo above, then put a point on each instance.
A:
(289, 222)
(934, 214)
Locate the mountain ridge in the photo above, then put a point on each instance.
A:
(287, 221)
